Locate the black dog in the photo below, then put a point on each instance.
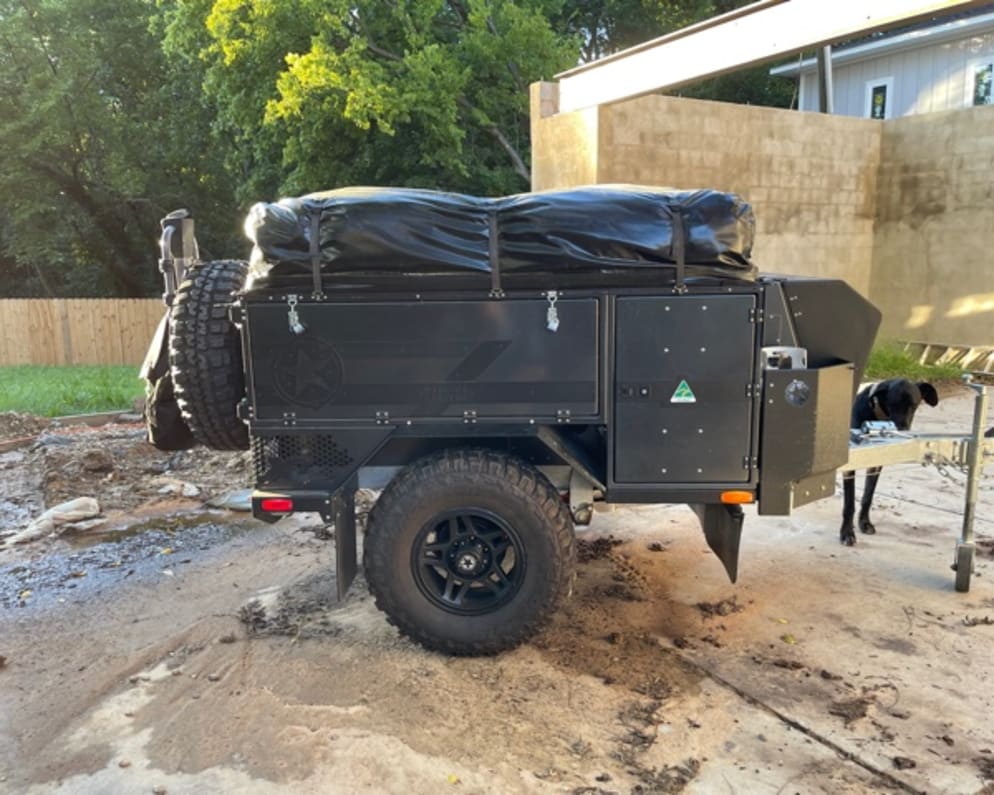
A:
(895, 400)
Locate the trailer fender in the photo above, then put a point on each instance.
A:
(722, 525)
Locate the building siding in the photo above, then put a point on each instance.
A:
(928, 79)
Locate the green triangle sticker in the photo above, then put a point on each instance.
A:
(683, 393)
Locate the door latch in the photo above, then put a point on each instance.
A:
(293, 318)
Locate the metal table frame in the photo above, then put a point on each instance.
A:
(882, 448)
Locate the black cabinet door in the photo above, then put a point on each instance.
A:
(425, 359)
(683, 410)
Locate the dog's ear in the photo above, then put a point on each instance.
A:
(929, 395)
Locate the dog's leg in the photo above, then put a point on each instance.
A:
(846, 534)
(865, 525)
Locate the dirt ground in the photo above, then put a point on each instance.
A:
(170, 647)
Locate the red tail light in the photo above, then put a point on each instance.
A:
(276, 505)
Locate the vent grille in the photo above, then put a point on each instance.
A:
(298, 461)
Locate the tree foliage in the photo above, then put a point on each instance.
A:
(752, 86)
(98, 144)
(113, 112)
(607, 26)
(430, 93)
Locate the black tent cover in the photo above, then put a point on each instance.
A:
(400, 232)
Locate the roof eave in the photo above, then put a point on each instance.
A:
(947, 31)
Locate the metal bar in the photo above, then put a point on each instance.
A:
(826, 104)
(916, 448)
(167, 264)
(975, 461)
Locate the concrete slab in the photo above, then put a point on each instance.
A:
(128, 666)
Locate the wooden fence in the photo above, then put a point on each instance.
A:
(77, 330)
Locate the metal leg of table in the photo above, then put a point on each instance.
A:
(965, 551)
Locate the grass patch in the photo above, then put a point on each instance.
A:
(55, 391)
(891, 361)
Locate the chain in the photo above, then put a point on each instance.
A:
(948, 468)
(944, 465)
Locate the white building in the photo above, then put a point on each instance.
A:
(941, 66)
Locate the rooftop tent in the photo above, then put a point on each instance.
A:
(607, 231)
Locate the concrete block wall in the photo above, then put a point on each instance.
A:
(568, 142)
(811, 180)
(903, 210)
(933, 259)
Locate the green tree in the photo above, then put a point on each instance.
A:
(113, 112)
(428, 93)
(753, 86)
(100, 137)
(604, 27)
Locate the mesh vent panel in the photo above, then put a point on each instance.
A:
(312, 460)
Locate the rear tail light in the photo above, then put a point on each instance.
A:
(276, 505)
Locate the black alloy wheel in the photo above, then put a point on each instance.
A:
(468, 561)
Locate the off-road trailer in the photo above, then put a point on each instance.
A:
(495, 418)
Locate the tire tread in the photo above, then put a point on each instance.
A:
(205, 355)
(389, 513)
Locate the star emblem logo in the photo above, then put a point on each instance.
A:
(308, 374)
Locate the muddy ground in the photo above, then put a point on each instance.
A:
(174, 648)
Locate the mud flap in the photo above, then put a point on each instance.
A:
(342, 515)
(722, 526)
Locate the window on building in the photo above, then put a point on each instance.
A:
(879, 98)
(983, 73)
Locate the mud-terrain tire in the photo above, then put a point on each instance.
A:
(469, 552)
(205, 354)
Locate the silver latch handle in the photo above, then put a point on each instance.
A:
(293, 318)
(552, 314)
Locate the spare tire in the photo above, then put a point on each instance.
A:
(205, 354)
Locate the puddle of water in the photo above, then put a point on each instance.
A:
(169, 525)
(92, 562)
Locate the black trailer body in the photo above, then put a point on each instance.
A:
(496, 405)
(650, 398)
